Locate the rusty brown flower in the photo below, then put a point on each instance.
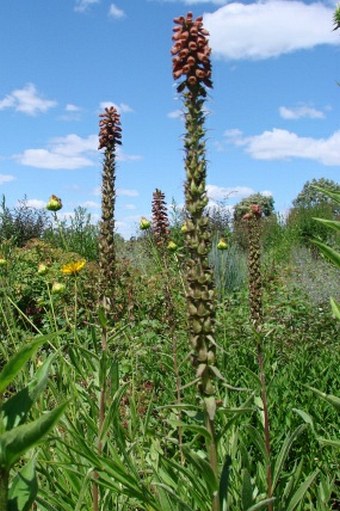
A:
(191, 53)
(110, 131)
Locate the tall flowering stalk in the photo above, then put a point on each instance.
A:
(253, 220)
(109, 137)
(191, 64)
(160, 220)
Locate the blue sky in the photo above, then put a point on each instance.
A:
(273, 114)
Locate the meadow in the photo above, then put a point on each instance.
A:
(194, 367)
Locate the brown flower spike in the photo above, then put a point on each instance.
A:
(110, 132)
(191, 53)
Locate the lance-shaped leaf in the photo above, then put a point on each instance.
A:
(329, 252)
(17, 361)
(333, 224)
(333, 400)
(16, 442)
(24, 489)
(15, 410)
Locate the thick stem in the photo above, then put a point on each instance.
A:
(267, 442)
(4, 479)
(213, 459)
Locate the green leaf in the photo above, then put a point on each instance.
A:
(14, 365)
(330, 193)
(333, 224)
(261, 505)
(301, 491)
(333, 400)
(328, 441)
(224, 483)
(24, 489)
(204, 469)
(282, 456)
(335, 308)
(17, 441)
(305, 416)
(16, 408)
(247, 490)
(328, 252)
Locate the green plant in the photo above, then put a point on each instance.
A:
(17, 435)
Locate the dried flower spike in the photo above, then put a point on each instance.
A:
(191, 53)
(110, 132)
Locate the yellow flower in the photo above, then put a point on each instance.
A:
(184, 228)
(73, 268)
(3, 261)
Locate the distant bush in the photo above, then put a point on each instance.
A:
(22, 223)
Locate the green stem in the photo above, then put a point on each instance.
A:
(4, 479)
(213, 459)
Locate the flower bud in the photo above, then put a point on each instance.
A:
(144, 223)
(58, 288)
(222, 245)
(42, 269)
(172, 246)
(54, 203)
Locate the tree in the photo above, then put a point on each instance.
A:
(266, 202)
(311, 197)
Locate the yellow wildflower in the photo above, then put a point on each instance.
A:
(144, 223)
(222, 245)
(73, 268)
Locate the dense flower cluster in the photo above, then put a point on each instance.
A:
(191, 53)
(110, 131)
(160, 221)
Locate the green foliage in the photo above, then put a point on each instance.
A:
(23, 223)
(17, 436)
(266, 202)
(311, 196)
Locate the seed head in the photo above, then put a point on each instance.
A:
(191, 54)
(110, 131)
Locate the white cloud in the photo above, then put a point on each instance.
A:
(35, 203)
(130, 206)
(83, 5)
(300, 111)
(27, 101)
(90, 204)
(6, 178)
(176, 114)
(268, 28)
(219, 193)
(72, 108)
(126, 192)
(122, 108)
(116, 12)
(281, 144)
(69, 152)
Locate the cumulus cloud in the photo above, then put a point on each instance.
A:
(122, 108)
(268, 28)
(35, 203)
(219, 193)
(27, 101)
(116, 12)
(279, 144)
(299, 112)
(69, 152)
(176, 114)
(90, 204)
(6, 178)
(83, 5)
(126, 192)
